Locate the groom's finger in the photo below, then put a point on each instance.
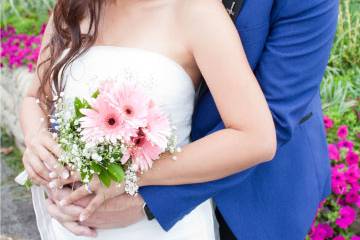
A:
(95, 203)
(79, 230)
(56, 213)
(75, 196)
(59, 194)
(72, 210)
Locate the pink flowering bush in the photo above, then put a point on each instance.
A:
(19, 49)
(337, 215)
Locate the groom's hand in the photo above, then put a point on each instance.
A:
(68, 220)
(123, 210)
(118, 212)
(67, 216)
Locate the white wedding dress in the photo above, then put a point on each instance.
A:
(172, 89)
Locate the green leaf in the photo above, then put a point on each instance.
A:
(105, 178)
(96, 167)
(116, 172)
(85, 104)
(95, 94)
(28, 184)
(78, 105)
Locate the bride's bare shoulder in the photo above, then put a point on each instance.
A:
(189, 9)
(200, 19)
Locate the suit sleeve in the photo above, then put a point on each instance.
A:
(290, 72)
(294, 60)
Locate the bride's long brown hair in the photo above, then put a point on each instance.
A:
(67, 17)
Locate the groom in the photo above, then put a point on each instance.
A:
(287, 43)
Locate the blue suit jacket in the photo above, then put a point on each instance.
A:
(287, 43)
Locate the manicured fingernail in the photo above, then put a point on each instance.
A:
(52, 184)
(82, 217)
(53, 175)
(62, 203)
(65, 174)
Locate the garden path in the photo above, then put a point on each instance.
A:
(17, 215)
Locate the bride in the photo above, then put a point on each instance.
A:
(165, 46)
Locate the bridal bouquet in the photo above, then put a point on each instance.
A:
(114, 134)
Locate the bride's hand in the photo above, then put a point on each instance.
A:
(101, 194)
(40, 158)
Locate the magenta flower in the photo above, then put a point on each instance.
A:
(321, 232)
(338, 181)
(352, 197)
(352, 174)
(333, 152)
(342, 132)
(355, 237)
(19, 49)
(347, 217)
(328, 122)
(339, 167)
(352, 158)
(339, 238)
(355, 186)
(346, 144)
(43, 28)
(339, 188)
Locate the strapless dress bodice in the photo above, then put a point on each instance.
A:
(163, 79)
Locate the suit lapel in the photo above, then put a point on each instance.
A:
(233, 7)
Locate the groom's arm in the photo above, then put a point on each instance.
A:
(294, 60)
(289, 71)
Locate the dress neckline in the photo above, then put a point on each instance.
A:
(155, 54)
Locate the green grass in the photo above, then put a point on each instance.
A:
(12, 160)
(26, 16)
(340, 89)
(346, 50)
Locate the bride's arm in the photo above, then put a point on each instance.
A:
(41, 151)
(249, 135)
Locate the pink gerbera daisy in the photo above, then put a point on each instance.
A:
(131, 102)
(101, 122)
(142, 152)
(158, 128)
